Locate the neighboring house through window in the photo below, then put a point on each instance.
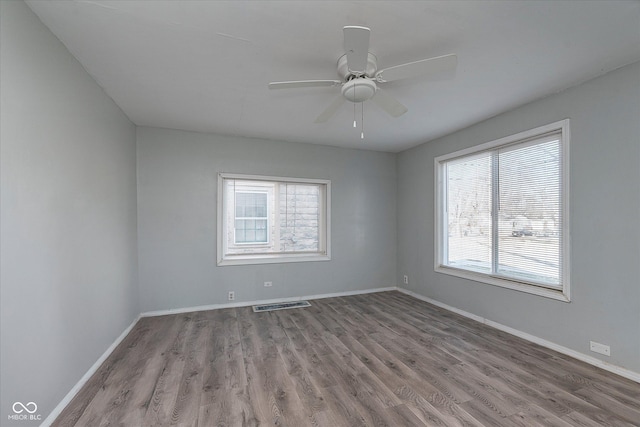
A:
(265, 219)
(251, 220)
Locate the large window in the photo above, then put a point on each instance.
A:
(502, 212)
(270, 219)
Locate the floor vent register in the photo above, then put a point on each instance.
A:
(280, 306)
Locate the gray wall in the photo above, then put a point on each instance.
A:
(68, 217)
(177, 186)
(605, 211)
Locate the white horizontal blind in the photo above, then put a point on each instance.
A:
(300, 209)
(504, 211)
(530, 220)
(469, 208)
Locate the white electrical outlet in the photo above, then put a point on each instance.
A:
(268, 284)
(406, 279)
(232, 296)
(596, 347)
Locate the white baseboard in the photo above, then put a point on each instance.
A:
(92, 370)
(634, 376)
(260, 302)
(623, 372)
(72, 393)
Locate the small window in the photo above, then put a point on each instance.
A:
(502, 212)
(269, 219)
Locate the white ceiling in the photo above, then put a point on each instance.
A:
(205, 65)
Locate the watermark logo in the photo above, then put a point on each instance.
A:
(20, 407)
(25, 412)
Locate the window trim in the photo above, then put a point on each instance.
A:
(562, 293)
(267, 258)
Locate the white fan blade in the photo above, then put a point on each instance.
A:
(388, 103)
(304, 83)
(356, 45)
(435, 67)
(331, 109)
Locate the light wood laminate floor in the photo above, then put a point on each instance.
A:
(369, 360)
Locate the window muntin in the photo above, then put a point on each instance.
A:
(502, 212)
(271, 219)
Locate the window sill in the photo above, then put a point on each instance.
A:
(270, 259)
(557, 294)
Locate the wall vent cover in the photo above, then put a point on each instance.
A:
(280, 306)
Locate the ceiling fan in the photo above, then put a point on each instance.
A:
(360, 77)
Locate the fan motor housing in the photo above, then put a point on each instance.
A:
(345, 73)
(359, 89)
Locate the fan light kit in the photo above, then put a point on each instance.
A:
(359, 90)
(360, 77)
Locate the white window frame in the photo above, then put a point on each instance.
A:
(562, 293)
(224, 258)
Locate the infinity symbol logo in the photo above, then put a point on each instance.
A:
(22, 407)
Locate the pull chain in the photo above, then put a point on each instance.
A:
(354, 115)
(362, 123)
